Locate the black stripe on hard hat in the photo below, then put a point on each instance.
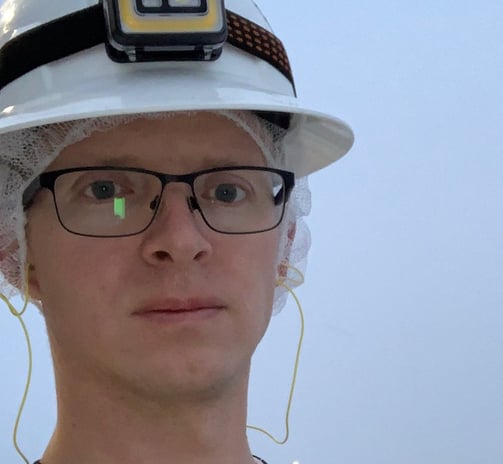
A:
(50, 42)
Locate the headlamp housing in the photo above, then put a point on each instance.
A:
(165, 30)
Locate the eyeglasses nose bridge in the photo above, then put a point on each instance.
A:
(193, 204)
(156, 203)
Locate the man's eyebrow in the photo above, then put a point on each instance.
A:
(208, 163)
(118, 160)
(229, 161)
(128, 160)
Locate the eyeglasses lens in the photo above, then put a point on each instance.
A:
(240, 201)
(113, 203)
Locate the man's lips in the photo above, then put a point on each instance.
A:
(175, 305)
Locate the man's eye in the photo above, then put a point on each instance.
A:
(102, 190)
(227, 193)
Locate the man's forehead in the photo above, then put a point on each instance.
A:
(211, 140)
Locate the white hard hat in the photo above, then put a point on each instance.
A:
(87, 83)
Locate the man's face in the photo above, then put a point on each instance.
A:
(109, 302)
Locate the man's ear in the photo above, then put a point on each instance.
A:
(4, 253)
(33, 284)
(33, 281)
(285, 258)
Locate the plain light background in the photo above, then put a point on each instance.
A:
(403, 355)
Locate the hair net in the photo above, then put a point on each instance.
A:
(26, 153)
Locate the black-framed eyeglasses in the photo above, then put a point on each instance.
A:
(108, 201)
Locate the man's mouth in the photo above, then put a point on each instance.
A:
(172, 307)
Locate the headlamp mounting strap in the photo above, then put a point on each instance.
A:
(254, 39)
(50, 42)
(86, 28)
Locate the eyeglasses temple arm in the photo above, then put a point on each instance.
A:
(30, 193)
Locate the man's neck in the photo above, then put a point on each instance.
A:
(98, 425)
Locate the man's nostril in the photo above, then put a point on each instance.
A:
(162, 255)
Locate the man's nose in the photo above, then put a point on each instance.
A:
(178, 232)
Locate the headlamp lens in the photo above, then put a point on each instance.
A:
(184, 3)
(151, 3)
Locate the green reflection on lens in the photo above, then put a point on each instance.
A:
(120, 207)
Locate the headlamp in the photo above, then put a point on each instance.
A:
(164, 30)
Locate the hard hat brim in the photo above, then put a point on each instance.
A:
(89, 85)
(313, 141)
